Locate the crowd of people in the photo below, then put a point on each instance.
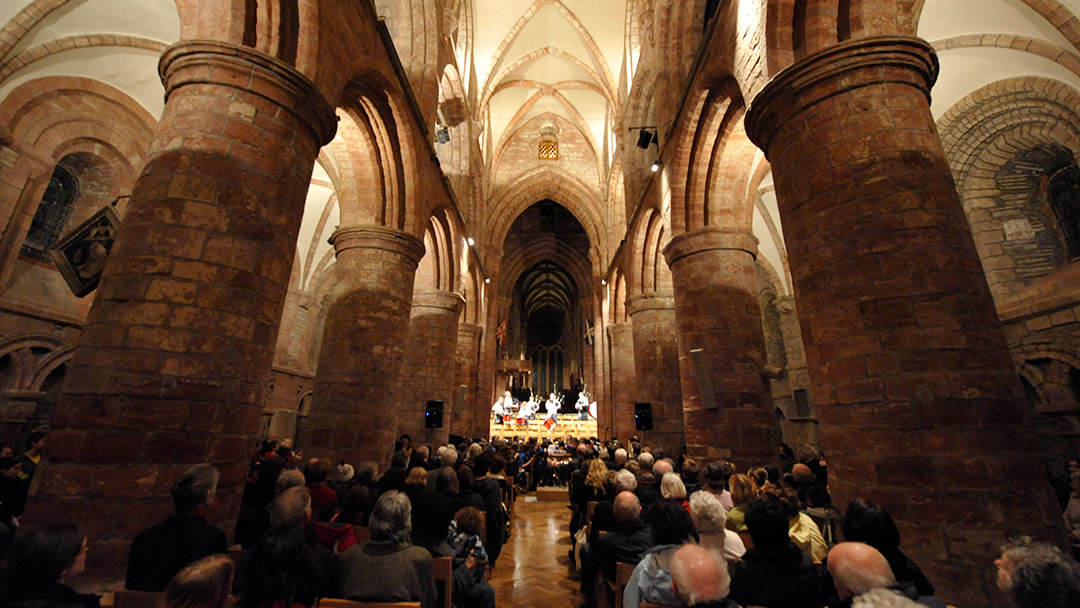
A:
(695, 534)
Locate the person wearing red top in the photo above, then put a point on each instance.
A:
(323, 498)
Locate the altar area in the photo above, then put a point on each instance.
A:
(566, 424)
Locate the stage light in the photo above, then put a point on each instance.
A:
(487, 280)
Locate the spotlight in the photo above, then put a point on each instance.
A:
(442, 134)
(603, 281)
(470, 241)
(487, 280)
(645, 139)
(656, 165)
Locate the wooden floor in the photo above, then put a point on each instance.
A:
(534, 569)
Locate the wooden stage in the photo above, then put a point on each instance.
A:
(568, 424)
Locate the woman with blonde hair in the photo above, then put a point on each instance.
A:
(673, 489)
(202, 584)
(743, 492)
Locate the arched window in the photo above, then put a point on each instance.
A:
(52, 214)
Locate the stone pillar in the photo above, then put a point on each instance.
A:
(467, 360)
(716, 305)
(623, 381)
(176, 352)
(357, 391)
(919, 403)
(429, 375)
(656, 362)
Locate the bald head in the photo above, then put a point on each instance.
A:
(857, 568)
(697, 575)
(627, 506)
(802, 474)
(661, 467)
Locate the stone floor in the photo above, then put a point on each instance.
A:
(534, 569)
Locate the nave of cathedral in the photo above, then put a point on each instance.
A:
(851, 226)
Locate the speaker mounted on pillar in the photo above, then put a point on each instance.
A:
(433, 414)
(643, 416)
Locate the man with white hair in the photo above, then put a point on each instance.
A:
(858, 569)
(649, 490)
(620, 458)
(604, 513)
(699, 579)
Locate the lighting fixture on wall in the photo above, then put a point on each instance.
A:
(442, 134)
(656, 165)
(470, 241)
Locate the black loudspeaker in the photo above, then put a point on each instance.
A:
(433, 415)
(643, 416)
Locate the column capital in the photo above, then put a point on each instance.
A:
(850, 65)
(436, 298)
(194, 62)
(653, 300)
(378, 237)
(709, 239)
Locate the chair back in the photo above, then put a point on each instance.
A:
(590, 508)
(138, 599)
(442, 569)
(623, 571)
(339, 603)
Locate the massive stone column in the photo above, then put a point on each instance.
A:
(726, 401)
(656, 361)
(623, 381)
(467, 361)
(919, 403)
(172, 363)
(429, 371)
(357, 391)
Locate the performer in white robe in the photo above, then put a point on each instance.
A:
(582, 406)
(552, 408)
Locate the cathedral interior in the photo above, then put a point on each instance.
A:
(849, 225)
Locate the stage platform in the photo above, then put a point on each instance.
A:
(568, 424)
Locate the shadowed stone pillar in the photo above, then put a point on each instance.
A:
(429, 369)
(467, 362)
(919, 404)
(172, 363)
(716, 307)
(623, 381)
(656, 361)
(357, 391)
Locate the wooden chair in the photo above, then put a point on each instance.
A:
(362, 533)
(338, 603)
(137, 599)
(442, 569)
(235, 553)
(622, 577)
(590, 507)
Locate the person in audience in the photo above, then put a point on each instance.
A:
(716, 476)
(857, 569)
(774, 573)
(388, 568)
(743, 492)
(867, 522)
(760, 477)
(466, 496)
(367, 474)
(673, 490)
(620, 458)
(324, 500)
(1072, 510)
(699, 580)
(287, 564)
(1036, 574)
(202, 584)
(774, 474)
(462, 543)
(11, 498)
(491, 493)
(35, 448)
(646, 461)
(710, 519)
(38, 564)
(341, 479)
(802, 530)
(419, 458)
(432, 510)
(160, 551)
(649, 493)
(604, 513)
(627, 542)
(691, 476)
(394, 477)
(671, 528)
(356, 508)
(591, 491)
(288, 478)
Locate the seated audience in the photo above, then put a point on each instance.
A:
(462, 543)
(490, 492)
(604, 513)
(716, 476)
(466, 496)
(160, 551)
(802, 530)
(711, 521)
(774, 573)
(673, 490)
(760, 477)
(288, 565)
(627, 542)
(324, 500)
(394, 477)
(356, 508)
(592, 490)
(671, 528)
(858, 569)
(388, 568)
(38, 564)
(743, 492)
(691, 476)
(866, 522)
(1038, 575)
(288, 478)
(699, 580)
(202, 584)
